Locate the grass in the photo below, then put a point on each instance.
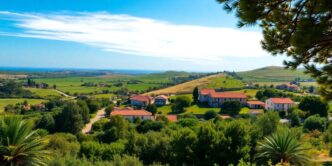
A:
(272, 74)
(44, 93)
(5, 102)
(100, 96)
(194, 109)
(213, 81)
(143, 82)
(249, 92)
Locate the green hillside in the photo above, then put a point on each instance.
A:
(273, 74)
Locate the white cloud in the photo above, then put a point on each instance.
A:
(138, 36)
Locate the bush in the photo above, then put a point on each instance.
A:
(231, 107)
(180, 103)
(314, 105)
(210, 114)
(47, 122)
(148, 125)
(97, 151)
(63, 144)
(315, 122)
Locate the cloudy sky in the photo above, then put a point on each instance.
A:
(195, 35)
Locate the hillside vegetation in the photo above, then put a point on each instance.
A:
(273, 74)
(216, 81)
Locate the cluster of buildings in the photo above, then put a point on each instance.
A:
(143, 101)
(209, 96)
(216, 99)
(131, 114)
(289, 87)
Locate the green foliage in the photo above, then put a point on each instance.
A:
(180, 103)
(211, 114)
(102, 124)
(20, 145)
(149, 125)
(300, 29)
(99, 151)
(84, 111)
(282, 147)
(195, 94)
(47, 122)
(231, 107)
(70, 119)
(315, 122)
(294, 119)
(268, 93)
(93, 105)
(12, 89)
(152, 108)
(63, 144)
(314, 105)
(268, 122)
(109, 109)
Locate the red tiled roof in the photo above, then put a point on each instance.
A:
(228, 95)
(207, 91)
(282, 100)
(172, 118)
(141, 98)
(162, 97)
(131, 113)
(256, 102)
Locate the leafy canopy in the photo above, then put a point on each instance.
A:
(300, 29)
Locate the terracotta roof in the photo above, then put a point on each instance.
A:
(256, 102)
(172, 118)
(162, 97)
(228, 95)
(131, 113)
(282, 100)
(140, 98)
(207, 91)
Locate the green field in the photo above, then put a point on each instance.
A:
(73, 85)
(224, 82)
(100, 96)
(272, 74)
(44, 93)
(194, 109)
(5, 102)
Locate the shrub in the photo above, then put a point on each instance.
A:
(231, 107)
(314, 122)
(210, 114)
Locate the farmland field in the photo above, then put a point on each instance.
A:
(194, 109)
(212, 81)
(44, 93)
(5, 102)
(273, 74)
(72, 85)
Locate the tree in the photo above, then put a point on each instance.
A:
(314, 105)
(183, 145)
(149, 125)
(195, 94)
(180, 103)
(93, 105)
(20, 145)
(210, 114)
(70, 119)
(152, 108)
(84, 111)
(282, 147)
(268, 122)
(294, 119)
(47, 122)
(109, 109)
(231, 107)
(315, 122)
(300, 29)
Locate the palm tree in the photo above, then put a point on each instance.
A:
(282, 147)
(20, 145)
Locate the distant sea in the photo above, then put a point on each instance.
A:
(41, 70)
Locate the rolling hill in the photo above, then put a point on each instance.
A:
(273, 74)
(212, 81)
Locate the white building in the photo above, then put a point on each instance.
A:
(161, 100)
(279, 104)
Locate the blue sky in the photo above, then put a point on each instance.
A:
(195, 35)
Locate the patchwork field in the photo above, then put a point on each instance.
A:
(273, 74)
(44, 93)
(213, 81)
(5, 102)
(72, 85)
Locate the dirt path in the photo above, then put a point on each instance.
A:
(100, 114)
(64, 94)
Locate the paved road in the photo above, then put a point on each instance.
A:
(100, 114)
